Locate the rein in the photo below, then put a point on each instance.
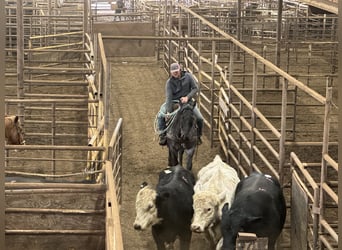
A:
(169, 123)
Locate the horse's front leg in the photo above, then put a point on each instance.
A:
(189, 155)
(173, 157)
(180, 156)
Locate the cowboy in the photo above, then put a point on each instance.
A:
(181, 86)
(120, 6)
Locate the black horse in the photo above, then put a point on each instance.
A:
(182, 135)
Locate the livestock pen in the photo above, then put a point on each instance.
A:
(64, 184)
(267, 108)
(261, 116)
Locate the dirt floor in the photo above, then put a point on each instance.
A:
(138, 86)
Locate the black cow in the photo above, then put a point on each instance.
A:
(259, 207)
(168, 208)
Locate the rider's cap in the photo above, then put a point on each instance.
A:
(174, 67)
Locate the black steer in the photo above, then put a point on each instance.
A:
(168, 209)
(259, 207)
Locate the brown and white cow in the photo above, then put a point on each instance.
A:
(215, 186)
(13, 132)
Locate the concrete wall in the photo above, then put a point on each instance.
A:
(126, 48)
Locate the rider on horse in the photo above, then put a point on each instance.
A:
(181, 86)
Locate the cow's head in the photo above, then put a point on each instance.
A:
(145, 207)
(206, 206)
(13, 131)
(231, 224)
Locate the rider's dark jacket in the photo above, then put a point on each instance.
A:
(178, 87)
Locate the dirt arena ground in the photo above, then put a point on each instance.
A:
(137, 92)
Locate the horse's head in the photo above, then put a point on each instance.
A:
(187, 122)
(13, 131)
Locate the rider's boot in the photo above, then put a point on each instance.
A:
(162, 139)
(162, 130)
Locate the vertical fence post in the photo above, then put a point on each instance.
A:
(20, 56)
(179, 44)
(231, 67)
(107, 107)
(212, 92)
(278, 42)
(2, 128)
(85, 18)
(253, 115)
(325, 146)
(53, 136)
(199, 54)
(315, 219)
(282, 130)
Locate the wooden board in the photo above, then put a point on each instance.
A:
(127, 48)
(55, 221)
(299, 215)
(54, 242)
(55, 218)
(249, 241)
(57, 200)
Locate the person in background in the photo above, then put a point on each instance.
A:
(120, 6)
(181, 86)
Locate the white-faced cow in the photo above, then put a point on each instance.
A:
(215, 186)
(259, 207)
(168, 208)
(13, 132)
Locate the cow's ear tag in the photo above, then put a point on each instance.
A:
(144, 184)
(167, 171)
